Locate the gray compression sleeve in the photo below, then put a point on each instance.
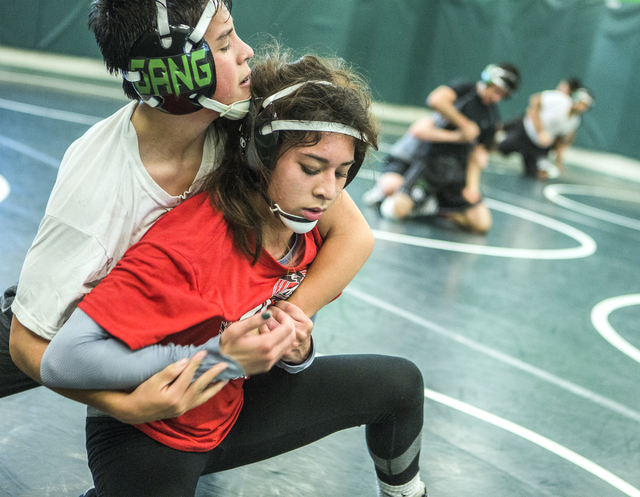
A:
(84, 355)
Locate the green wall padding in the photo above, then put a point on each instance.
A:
(408, 47)
(613, 70)
(58, 27)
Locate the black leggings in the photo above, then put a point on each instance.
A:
(12, 379)
(517, 140)
(281, 412)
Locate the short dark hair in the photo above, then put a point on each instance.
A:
(573, 84)
(118, 24)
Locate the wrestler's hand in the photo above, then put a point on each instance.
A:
(258, 342)
(171, 392)
(301, 347)
(470, 130)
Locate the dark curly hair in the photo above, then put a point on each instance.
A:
(234, 187)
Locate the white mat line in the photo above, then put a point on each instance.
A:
(29, 152)
(5, 190)
(37, 110)
(600, 319)
(512, 361)
(545, 443)
(63, 84)
(555, 193)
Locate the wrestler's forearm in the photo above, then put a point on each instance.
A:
(348, 243)
(104, 362)
(442, 101)
(163, 396)
(533, 111)
(111, 402)
(426, 130)
(26, 349)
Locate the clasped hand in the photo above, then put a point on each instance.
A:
(257, 344)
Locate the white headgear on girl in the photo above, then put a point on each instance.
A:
(265, 132)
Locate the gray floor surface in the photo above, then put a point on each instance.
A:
(524, 396)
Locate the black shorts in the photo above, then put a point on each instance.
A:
(443, 176)
(12, 379)
(404, 153)
(453, 201)
(518, 141)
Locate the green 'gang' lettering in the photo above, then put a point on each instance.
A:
(203, 79)
(159, 76)
(143, 87)
(183, 75)
(173, 75)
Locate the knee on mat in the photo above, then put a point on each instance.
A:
(396, 207)
(477, 219)
(482, 225)
(485, 220)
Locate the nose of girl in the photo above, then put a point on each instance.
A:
(326, 187)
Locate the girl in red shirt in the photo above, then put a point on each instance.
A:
(213, 272)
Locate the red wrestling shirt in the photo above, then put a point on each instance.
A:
(179, 284)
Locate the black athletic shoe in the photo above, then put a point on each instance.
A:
(90, 493)
(426, 208)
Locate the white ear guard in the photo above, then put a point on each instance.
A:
(582, 95)
(503, 79)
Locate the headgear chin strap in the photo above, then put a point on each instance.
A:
(235, 111)
(173, 69)
(297, 224)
